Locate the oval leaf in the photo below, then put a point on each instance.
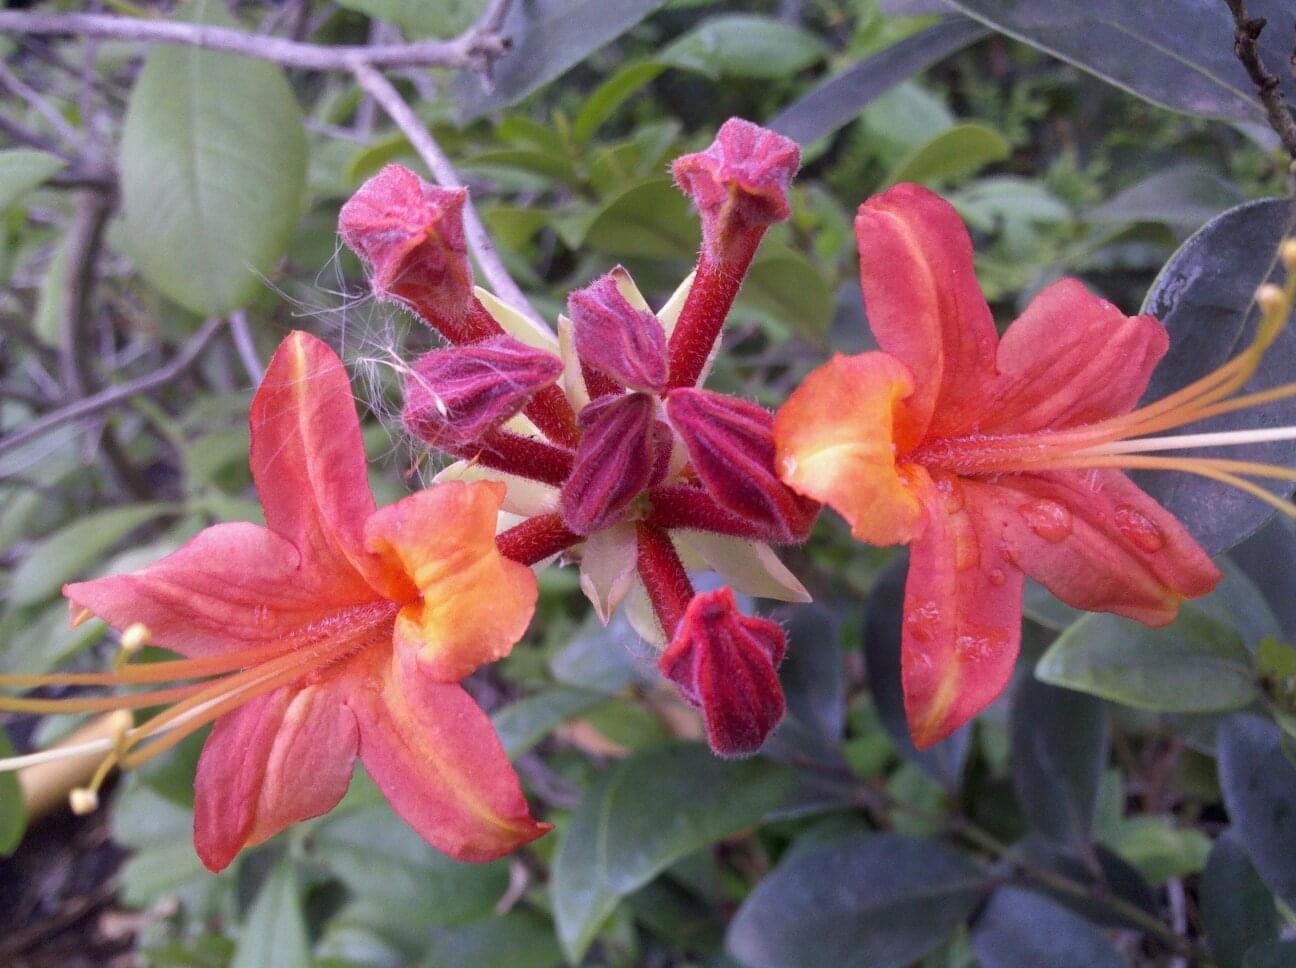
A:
(745, 45)
(1237, 910)
(954, 153)
(213, 165)
(1259, 784)
(275, 930)
(1021, 929)
(22, 169)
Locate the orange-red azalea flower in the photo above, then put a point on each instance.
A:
(337, 631)
(979, 452)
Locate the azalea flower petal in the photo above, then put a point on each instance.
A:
(283, 757)
(232, 586)
(308, 463)
(437, 759)
(475, 603)
(1097, 542)
(1072, 358)
(924, 305)
(835, 442)
(962, 613)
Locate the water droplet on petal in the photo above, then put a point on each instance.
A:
(1048, 519)
(1139, 529)
(997, 577)
(921, 622)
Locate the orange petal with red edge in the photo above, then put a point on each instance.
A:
(284, 757)
(474, 603)
(1072, 358)
(835, 441)
(924, 305)
(962, 614)
(437, 759)
(1097, 542)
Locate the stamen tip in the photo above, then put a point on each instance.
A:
(1271, 299)
(135, 637)
(83, 800)
(1287, 253)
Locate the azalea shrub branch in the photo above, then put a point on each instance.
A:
(1268, 85)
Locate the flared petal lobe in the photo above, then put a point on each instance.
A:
(1072, 358)
(473, 604)
(962, 613)
(924, 305)
(436, 758)
(835, 442)
(284, 757)
(1096, 541)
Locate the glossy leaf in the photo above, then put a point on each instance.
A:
(616, 841)
(651, 220)
(865, 902)
(1184, 196)
(1160, 849)
(953, 154)
(526, 721)
(1022, 929)
(746, 46)
(841, 98)
(1059, 746)
(1237, 910)
(1259, 784)
(520, 937)
(213, 167)
(275, 930)
(604, 100)
(787, 286)
(22, 169)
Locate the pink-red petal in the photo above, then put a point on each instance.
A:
(924, 304)
(1072, 358)
(437, 759)
(962, 614)
(284, 757)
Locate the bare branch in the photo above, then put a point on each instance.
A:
(381, 90)
(117, 395)
(33, 97)
(473, 50)
(1268, 87)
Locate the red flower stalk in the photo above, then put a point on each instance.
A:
(996, 458)
(724, 663)
(455, 396)
(740, 186)
(337, 631)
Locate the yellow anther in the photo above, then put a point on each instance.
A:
(83, 800)
(1271, 300)
(134, 638)
(1287, 253)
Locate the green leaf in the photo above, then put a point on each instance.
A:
(841, 98)
(1271, 954)
(1184, 196)
(643, 815)
(160, 834)
(954, 153)
(604, 100)
(549, 37)
(275, 930)
(1237, 910)
(1021, 929)
(518, 938)
(745, 45)
(651, 220)
(422, 18)
(44, 641)
(1158, 849)
(213, 166)
(1194, 665)
(13, 817)
(22, 169)
(523, 723)
(785, 284)
(68, 552)
(1259, 784)
(51, 299)
(864, 902)
(1059, 745)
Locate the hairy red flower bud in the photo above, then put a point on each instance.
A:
(723, 663)
(626, 343)
(410, 236)
(730, 444)
(456, 396)
(614, 461)
(740, 185)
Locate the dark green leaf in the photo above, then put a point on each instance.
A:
(549, 37)
(619, 838)
(1271, 954)
(1183, 67)
(882, 623)
(213, 166)
(518, 938)
(22, 169)
(1268, 558)
(1259, 784)
(1205, 296)
(786, 285)
(275, 930)
(651, 220)
(954, 153)
(839, 100)
(1160, 849)
(610, 95)
(870, 902)
(744, 45)
(1184, 196)
(1059, 746)
(1021, 929)
(523, 723)
(1237, 910)
(13, 818)
(1111, 875)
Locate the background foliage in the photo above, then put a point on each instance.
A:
(1130, 801)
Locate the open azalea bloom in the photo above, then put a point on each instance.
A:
(997, 458)
(613, 454)
(338, 631)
